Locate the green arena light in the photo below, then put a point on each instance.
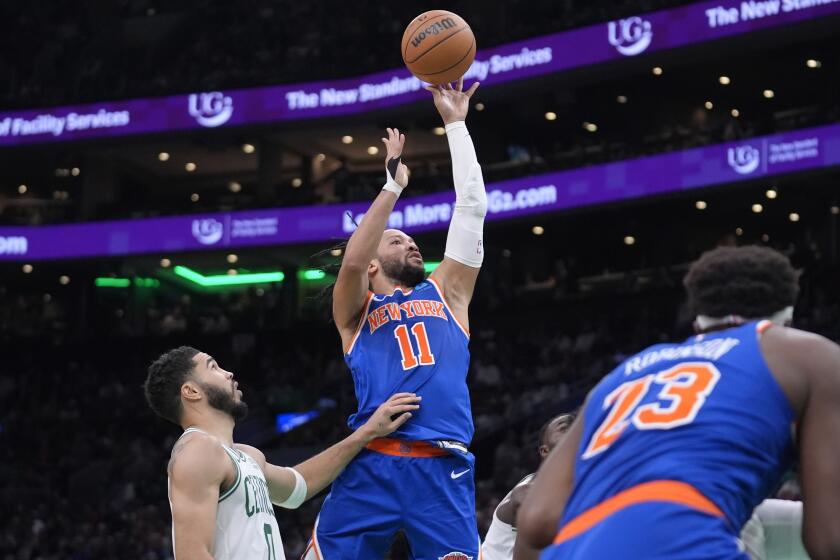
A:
(108, 282)
(227, 279)
(314, 274)
(430, 267)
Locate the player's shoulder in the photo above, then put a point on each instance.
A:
(252, 452)
(197, 453)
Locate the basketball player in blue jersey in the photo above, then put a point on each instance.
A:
(403, 333)
(677, 446)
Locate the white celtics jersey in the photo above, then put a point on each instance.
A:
(501, 536)
(246, 528)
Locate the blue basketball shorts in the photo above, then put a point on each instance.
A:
(430, 498)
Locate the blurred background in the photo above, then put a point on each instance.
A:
(168, 178)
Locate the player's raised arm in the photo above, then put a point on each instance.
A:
(542, 508)
(290, 487)
(351, 287)
(464, 254)
(196, 472)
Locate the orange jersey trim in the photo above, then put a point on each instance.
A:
(361, 324)
(446, 303)
(763, 326)
(402, 448)
(657, 491)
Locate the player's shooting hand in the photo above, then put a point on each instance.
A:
(393, 150)
(391, 414)
(452, 103)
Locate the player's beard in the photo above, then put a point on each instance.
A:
(224, 401)
(403, 272)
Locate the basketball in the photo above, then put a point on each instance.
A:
(438, 46)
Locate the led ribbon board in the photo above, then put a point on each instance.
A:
(614, 40)
(744, 160)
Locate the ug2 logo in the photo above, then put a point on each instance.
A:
(744, 159)
(208, 231)
(211, 109)
(630, 36)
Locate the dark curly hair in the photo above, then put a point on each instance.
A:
(752, 282)
(165, 377)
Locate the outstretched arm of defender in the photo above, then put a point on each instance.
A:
(289, 488)
(196, 472)
(351, 286)
(464, 254)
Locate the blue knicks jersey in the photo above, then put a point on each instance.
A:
(411, 342)
(706, 412)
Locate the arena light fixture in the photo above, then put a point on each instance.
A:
(771, 194)
(793, 217)
(438, 131)
(346, 139)
(228, 280)
(835, 210)
(735, 113)
(249, 148)
(190, 166)
(768, 94)
(538, 230)
(165, 263)
(75, 172)
(232, 258)
(163, 156)
(235, 186)
(297, 182)
(739, 231)
(765, 237)
(590, 127)
(813, 63)
(63, 279)
(551, 116)
(336, 252)
(725, 80)
(621, 99)
(107, 282)
(700, 205)
(372, 150)
(757, 208)
(629, 240)
(479, 106)
(22, 189)
(709, 105)
(313, 274)
(27, 268)
(657, 70)
(194, 197)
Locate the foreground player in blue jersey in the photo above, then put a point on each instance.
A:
(677, 446)
(404, 333)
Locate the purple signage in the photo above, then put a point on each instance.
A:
(656, 31)
(712, 165)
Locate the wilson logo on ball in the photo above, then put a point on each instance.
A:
(434, 29)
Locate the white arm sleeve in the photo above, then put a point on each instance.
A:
(464, 242)
(298, 495)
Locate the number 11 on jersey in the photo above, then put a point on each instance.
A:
(411, 360)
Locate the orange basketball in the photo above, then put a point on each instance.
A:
(438, 46)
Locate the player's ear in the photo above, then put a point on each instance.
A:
(373, 267)
(191, 392)
(544, 451)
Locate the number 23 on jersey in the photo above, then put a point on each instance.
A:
(685, 388)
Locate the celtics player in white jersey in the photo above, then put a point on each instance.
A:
(221, 493)
(501, 536)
